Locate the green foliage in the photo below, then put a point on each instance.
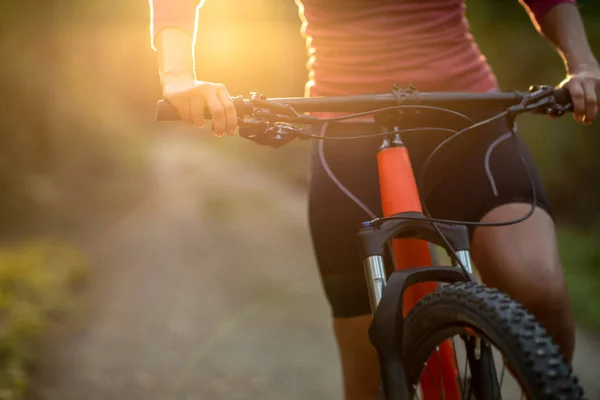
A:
(565, 152)
(71, 146)
(72, 153)
(38, 280)
(581, 258)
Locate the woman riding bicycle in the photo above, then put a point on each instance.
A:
(366, 47)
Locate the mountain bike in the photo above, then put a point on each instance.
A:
(418, 310)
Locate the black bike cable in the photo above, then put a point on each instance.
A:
(519, 150)
(437, 149)
(387, 133)
(455, 134)
(380, 110)
(392, 108)
(514, 135)
(471, 223)
(434, 222)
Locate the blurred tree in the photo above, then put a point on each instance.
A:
(80, 63)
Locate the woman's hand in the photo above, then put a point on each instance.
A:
(190, 97)
(584, 86)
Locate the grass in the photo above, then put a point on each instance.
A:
(38, 281)
(581, 258)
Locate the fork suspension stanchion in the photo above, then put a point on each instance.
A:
(375, 274)
(399, 193)
(464, 256)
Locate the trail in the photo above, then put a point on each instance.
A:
(208, 290)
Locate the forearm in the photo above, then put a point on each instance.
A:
(173, 26)
(175, 53)
(563, 27)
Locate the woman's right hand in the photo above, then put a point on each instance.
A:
(190, 97)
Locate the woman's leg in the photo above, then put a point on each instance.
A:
(483, 180)
(522, 260)
(492, 183)
(334, 222)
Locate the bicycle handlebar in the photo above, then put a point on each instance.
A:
(165, 111)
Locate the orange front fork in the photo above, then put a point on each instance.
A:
(399, 194)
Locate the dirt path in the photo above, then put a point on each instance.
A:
(208, 290)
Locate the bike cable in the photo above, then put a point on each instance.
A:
(455, 134)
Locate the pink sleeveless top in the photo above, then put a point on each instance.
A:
(366, 46)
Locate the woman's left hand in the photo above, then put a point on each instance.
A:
(584, 86)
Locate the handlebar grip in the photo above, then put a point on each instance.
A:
(165, 111)
(562, 96)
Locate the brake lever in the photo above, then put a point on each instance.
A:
(267, 125)
(552, 108)
(541, 100)
(549, 106)
(261, 106)
(267, 133)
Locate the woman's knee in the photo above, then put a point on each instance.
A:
(523, 261)
(544, 290)
(523, 255)
(547, 298)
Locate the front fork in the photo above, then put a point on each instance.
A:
(400, 198)
(464, 256)
(375, 274)
(399, 195)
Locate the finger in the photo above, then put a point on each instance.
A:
(197, 108)
(230, 111)
(591, 102)
(217, 111)
(182, 104)
(577, 98)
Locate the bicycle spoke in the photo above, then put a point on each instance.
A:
(499, 397)
(488, 374)
(437, 350)
(417, 392)
(466, 394)
(457, 366)
(469, 393)
(485, 381)
(491, 365)
(432, 380)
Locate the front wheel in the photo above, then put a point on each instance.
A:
(473, 311)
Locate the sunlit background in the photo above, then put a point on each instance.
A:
(146, 261)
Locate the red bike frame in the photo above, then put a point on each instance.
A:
(399, 194)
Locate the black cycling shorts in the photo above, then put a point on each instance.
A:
(474, 174)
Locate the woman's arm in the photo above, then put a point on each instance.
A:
(172, 31)
(173, 24)
(560, 22)
(175, 53)
(178, 14)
